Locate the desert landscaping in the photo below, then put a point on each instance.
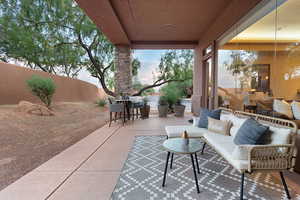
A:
(28, 139)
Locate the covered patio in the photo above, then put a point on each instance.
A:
(94, 167)
(134, 24)
(90, 169)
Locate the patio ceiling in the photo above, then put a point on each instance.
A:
(155, 23)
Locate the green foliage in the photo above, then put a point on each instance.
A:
(136, 65)
(43, 88)
(241, 65)
(177, 65)
(101, 102)
(38, 33)
(138, 86)
(172, 93)
(163, 101)
(175, 91)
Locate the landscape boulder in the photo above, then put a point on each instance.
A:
(34, 109)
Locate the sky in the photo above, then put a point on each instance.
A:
(149, 62)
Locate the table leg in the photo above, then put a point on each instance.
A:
(124, 114)
(171, 165)
(197, 163)
(166, 168)
(128, 110)
(195, 174)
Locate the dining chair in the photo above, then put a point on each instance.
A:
(118, 110)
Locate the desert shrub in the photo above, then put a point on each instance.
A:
(101, 102)
(43, 88)
(163, 101)
(172, 93)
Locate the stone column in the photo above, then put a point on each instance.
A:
(123, 73)
(197, 82)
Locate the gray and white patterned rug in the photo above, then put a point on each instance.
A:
(142, 175)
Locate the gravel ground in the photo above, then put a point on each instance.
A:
(27, 141)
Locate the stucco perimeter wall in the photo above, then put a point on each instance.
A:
(13, 87)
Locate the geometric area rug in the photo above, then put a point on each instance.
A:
(142, 175)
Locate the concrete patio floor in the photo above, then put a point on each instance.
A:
(89, 169)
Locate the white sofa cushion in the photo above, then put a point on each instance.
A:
(237, 122)
(193, 131)
(283, 107)
(196, 121)
(241, 152)
(225, 146)
(296, 109)
(277, 135)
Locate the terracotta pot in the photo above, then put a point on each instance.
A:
(163, 110)
(179, 110)
(145, 111)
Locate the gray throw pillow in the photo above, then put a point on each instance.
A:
(205, 113)
(251, 132)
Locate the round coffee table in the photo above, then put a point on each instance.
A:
(181, 146)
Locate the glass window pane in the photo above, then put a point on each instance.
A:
(246, 66)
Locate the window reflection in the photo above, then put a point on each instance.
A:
(262, 62)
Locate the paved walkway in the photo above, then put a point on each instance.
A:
(89, 169)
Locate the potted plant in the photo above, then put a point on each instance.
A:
(179, 108)
(163, 106)
(145, 110)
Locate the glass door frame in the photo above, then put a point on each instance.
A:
(209, 53)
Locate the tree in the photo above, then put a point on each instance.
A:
(32, 32)
(137, 86)
(174, 66)
(241, 64)
(57, 37)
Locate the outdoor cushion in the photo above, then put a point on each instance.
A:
(225, 146)
(250, 132)
(205, 113)
(196, 121)
(241, 152)
(277, 135)
(193, 131)
(226, 116)
(219, 126)
(283, 107)
(237, 122)
(296, 109)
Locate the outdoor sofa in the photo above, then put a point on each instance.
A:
(278, 155)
